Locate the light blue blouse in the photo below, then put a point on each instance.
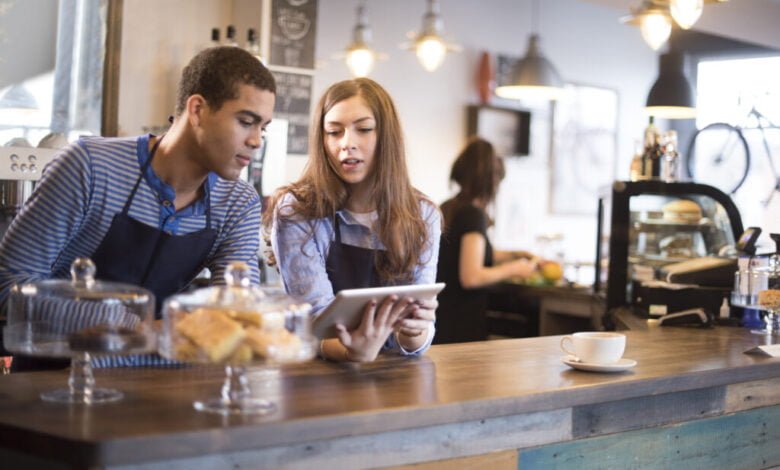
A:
(301, 256)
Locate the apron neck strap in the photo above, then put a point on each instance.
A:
(148, 162)
(336, 228)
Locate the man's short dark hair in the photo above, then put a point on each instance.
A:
(216, 72)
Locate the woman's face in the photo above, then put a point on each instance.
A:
(349, 132)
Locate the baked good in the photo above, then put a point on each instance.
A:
(265, 320)
(769, 298)
(242, 354)
(212, 331)
(682, 210)
(280, 345)
(106, 338)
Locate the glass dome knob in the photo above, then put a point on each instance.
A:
(238, 274)
(82, 272)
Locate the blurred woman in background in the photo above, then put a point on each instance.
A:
(467, 261)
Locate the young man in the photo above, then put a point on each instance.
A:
(154, 210)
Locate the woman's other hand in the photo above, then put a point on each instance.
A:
(412, 329)
(364, 343)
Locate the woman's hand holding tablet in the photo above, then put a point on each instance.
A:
(347, 307)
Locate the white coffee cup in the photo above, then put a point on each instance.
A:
(595, 347)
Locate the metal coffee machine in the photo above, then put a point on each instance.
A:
(20, 168)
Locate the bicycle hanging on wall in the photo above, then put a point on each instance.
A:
(719, 153)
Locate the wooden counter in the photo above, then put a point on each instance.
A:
(693, 397)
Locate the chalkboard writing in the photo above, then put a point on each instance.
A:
(293, 30)
(293, 103)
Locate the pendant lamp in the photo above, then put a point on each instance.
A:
(360, 56)
(429, 43)
(686, 12)
(533, 75)
(654, 17)
(671, 96)
(653, 21)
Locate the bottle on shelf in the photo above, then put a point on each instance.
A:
(253, 45)
(670, 165)
(651, 157)
(230, 36)
(214, 38)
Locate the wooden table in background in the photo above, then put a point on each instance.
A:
(694, 398)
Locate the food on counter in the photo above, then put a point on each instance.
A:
(106, 338)
(281, 345)
(551, 270)
(213, 332)
(769, 298)
(682, 210)
(229, 336)
(266, 320)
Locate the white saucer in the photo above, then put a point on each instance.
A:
(619, 366)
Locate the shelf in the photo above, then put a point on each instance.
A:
(662, 225)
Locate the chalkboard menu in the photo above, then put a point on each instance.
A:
(293, 30)
(293, 103)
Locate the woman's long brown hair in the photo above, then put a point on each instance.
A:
(319, 193)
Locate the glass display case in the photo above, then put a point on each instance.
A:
(649, 229)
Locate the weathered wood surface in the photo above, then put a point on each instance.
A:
(742, 441)
(327, 402)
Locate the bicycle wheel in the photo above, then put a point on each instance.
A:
(718, 155)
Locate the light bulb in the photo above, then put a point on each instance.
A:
(360, 61)
(686, 12)
(656, 28)
(430, 52)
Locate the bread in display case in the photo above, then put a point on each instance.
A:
(652, 231)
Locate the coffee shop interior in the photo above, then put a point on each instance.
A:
(561, 156)
(599, 181)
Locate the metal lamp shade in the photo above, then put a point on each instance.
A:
(671, 96)
(533, 75)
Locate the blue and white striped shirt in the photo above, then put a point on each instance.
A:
(82, 189)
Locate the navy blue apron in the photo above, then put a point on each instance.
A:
(348, 266)
(135, 253)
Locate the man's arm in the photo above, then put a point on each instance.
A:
(47, 222)
(241, 243)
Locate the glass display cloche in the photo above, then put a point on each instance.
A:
(78, 319)
(236, 325)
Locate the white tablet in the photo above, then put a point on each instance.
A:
(347, 307)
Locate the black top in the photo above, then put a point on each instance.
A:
(461, 313)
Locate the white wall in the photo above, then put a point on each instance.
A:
(584, 41)
(586, 44)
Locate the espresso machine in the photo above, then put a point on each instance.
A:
(20, 169)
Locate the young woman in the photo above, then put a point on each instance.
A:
(467, 262)
(353, 220)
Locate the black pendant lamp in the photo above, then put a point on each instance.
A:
(671, 96)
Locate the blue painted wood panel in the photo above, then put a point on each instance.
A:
(747, 440)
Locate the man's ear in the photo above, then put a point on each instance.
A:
(196, 106)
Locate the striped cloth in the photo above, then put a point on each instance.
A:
(82, 189)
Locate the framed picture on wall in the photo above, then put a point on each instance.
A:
(507, 129)
(584, 148)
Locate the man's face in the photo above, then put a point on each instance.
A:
(230, 135)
